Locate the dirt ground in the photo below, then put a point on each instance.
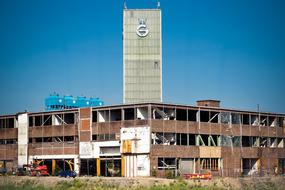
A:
(226, 183)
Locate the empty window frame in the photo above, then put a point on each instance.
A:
(94, 137)
(31, 121)
(38, 120)
(246, 141)
(181, 114)
(245, 119)
(69, 118)
(204, 116)
(181, 139)
(94, 116)
(68, 138)
(192, 115)
(116, 115)
(192, 139)
(7, 123)
(129, 113)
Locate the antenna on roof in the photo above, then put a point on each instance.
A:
(125, 4)
(158, 4)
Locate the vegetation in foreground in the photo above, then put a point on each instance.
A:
(78, 184)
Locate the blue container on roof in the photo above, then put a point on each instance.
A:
(55, 102)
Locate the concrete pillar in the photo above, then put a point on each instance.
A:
(22, 139)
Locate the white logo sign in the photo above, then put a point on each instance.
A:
(142, 30)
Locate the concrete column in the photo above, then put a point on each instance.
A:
(22, 139)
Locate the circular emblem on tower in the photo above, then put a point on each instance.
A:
(142, 30)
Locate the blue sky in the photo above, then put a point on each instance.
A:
(231, 50)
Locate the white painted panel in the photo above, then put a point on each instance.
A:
(143, 165)
(140, 137)
(22, 139)
(85, 149)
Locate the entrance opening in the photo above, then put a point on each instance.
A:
(110, 167)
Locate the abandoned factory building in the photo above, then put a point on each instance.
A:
(146, 139)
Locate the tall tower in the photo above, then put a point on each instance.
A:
(142, 55)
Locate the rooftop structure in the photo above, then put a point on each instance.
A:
(55, 102)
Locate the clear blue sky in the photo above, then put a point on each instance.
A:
(231, 50)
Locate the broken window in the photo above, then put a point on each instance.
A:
(103, 115)
(192, 115)
(47, 120)
(214, 117)
(272, 121)
(236, 118)
(272, 142)
(255, 141)
(263, 142)
(249, 166)
(157, 138)
(166, 163)
(116, 115)
(263, 120)
(225, 117)
(181, 114)
(129, 114)
(163, 113)
(142, 113)
(254, 120)
(245, 119)
(58, 139)
(169, 139)
(280, 143)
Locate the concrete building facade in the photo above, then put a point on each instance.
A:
(146, 139)
(142, 55)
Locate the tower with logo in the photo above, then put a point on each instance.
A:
(142, 55)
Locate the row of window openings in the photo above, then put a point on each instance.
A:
(8, 141)
(173, 163)
(54, 119)
(157, 113)
(216, 140)
(187, 115)
(58, 139)
(105, 137)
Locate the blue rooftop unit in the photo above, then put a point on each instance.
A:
(55, 102)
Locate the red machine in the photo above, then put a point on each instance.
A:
(204, 175)
(40, 171)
